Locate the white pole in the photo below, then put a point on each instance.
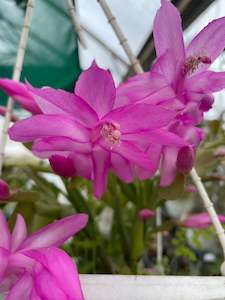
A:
(16, 76)
(76, 23)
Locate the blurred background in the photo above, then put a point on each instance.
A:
(116, 240)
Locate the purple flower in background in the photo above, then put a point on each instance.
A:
(4, 190)
(201, 220)
(29, 263)
(83, 134)
(179, 80)
(145, 214)
(187, 69)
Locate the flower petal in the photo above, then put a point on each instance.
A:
(129, 151)
(167, 31)
(101, 163)
(53, 101)
(121, 167)
(40, 126)
(205, 82)
(19, 233)
(19, 92)
(61, 273)
(83, 165)
(158, 136)
(49, 146)
(4, 254)
(96, 87)
(210, 41)
(5, 233)
(147, 87)
(56, 233)
(21, 289)
(154, 153)
(168, 166)
(137, 117)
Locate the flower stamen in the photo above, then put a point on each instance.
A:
(192, 63)
(110, 131)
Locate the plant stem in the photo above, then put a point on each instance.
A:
(16, 76)
(76, 23)
(196, 179)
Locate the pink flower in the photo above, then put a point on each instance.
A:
(179, 80)
(187, 69)
(145, 214)
(201, 220)
(28, 263)
(4, 190)
(83, 134)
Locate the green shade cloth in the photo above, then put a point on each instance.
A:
(52, 55)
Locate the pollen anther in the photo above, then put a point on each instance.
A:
(110, 131)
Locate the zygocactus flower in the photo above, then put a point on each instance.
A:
(83, 131)
(32, 267)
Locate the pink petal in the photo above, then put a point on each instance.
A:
(147, 87)
(5, 239)
(96, 87)
(101, 163)
(133, 154)
(167, 31)
(52, 101)
(19, 233)
(4, 190)
(205, 82)
(158, 136)
(165, 66)
(40, 126)
(83, 165)
(61, 274)
(20, 93)
(210, 41)
(4, 254)
(168, 166)
(49, 146)
(154, 154)
(137, 117)
(121, 167)
(56, 233)
(21, 289)
(62, 165)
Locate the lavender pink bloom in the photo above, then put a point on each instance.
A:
(82, 133)
(145, 214)
(201, 220)
(4, 190)
(32, 267)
